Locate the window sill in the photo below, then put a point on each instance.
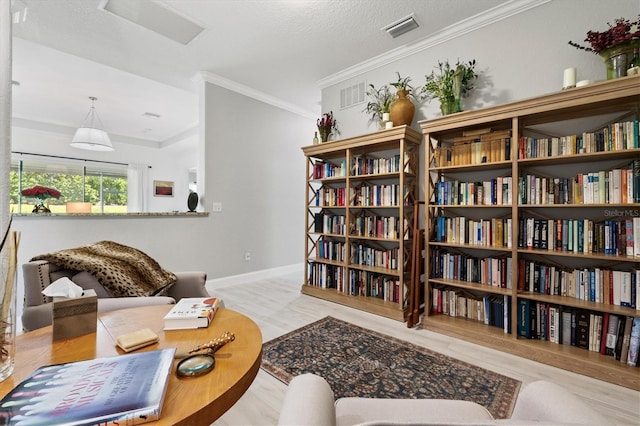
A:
(111, 215)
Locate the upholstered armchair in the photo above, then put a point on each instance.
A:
(310, 401)
(39, 274)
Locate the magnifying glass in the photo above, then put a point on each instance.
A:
(195, 365)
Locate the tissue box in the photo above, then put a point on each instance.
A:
(74, 317)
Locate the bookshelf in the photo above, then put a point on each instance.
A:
(526, 224)
(360, 194)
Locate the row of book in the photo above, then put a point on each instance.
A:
(361, 166)
(601, 285)
(356, 283)
(330, 223)
(491, 271)
(377, 226)
(373, 166)
(619, 237)
(611, 335)
(493, 310)
(363, 226)
(326, 276)
(326, 169)
(363, 283)
(614, 137)
(617, 186)
(327, 196)
(475, 149)
(495, 192)
(379, 258)
(331, 250)
(377, 195)
(494, 232)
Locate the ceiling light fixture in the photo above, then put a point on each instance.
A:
(90, 134)
(401, 26)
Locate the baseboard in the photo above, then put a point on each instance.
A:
(255, 275)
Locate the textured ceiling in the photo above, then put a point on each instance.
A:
(68, 50)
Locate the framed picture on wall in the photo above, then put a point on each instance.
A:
(162, 188)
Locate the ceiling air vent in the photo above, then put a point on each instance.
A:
(401, 26)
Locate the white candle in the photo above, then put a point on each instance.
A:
(388, 124)
(569, 79)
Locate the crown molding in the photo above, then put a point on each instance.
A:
(179, 137)
(250, 92)
(456, 30)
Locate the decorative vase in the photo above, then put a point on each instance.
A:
(40, 207)
(402, 109)
(449, 106)
(7, 334)
(325, 132)
(617, 59)
(8, 306)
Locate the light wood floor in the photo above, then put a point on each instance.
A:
(278, 307)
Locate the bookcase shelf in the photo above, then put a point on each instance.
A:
(378, 180)
(492, 143)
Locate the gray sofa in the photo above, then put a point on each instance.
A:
(39, 274)
(309, 401)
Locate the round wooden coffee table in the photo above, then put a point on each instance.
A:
(189, 401)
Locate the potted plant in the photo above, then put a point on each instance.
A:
(614, 45)
(401, 110)
(450, 84)
(379, 104)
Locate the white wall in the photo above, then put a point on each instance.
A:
(521, 57)
(254, 166)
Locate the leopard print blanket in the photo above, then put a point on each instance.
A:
(124, 271)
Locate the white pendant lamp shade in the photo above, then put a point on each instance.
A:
(90, 134)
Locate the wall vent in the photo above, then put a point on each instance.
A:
(352, 95)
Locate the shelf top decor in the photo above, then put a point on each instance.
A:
(379, 137)
(541, 108)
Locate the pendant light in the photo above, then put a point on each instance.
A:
(90, 134)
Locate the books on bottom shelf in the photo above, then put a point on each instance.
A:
(192, 312)
(493, 310)
(612, 335)
(126, 390)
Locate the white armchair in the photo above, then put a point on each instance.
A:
(310, 401)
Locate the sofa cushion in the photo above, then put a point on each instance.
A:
(88, 281)
(351, 411)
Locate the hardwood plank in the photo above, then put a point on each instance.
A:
(277, 306)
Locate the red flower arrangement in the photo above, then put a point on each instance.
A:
(41, 192)
(623, 31)
(326, 125)
(327, 120)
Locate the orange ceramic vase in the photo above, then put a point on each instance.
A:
(402, 109)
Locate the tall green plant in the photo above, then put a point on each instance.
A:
(379, 103)
(448, 83)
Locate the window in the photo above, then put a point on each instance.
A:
(104, 185)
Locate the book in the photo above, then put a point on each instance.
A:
(626, 339)
(191, 312)
(634, 343)
(126, 389)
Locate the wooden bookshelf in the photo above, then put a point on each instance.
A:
(368, 185)
(566, 113)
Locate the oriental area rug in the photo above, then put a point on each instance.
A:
(359, 362)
